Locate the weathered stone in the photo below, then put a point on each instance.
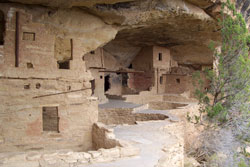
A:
(22, 164)
(94, 154)
(248, 149)
(86, 156)
(34, 156)
(129, 151)
(112, 152)
(1, 140)
(48, 157)
(14, 158)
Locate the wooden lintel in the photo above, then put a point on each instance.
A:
(110, 71)
(177, 74)
(97, 68)
(201, 64)
(53, 94)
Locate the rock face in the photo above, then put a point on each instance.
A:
(176, 24)
(58, 59)
(184, 26)
(42, 48)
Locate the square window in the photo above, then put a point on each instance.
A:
(63, 64)
(29, 36)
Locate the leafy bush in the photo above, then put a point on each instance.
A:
(230, 78)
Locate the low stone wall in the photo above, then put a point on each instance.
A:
(66, 158)
(103, 137)
(178, 98)
(126, 116)
(116, 116)
(143, 98)
(165, 105)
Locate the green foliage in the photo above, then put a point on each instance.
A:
(230, 78)
(242, 163)
(245, 153)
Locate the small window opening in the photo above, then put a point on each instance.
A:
(50, 119)
(92, 52)
(125, 79)
(29, 36)
(63, 64)
(92, 86)
(107, 83)
(63, 52)
(2, 28)
(30, 65)
(178, 80)
(27, 86)
(130, 66)
(161, 80)
(38, 85)
(101, 77)
(160, 56)
(50, 13)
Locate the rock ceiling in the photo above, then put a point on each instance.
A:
(185, 26)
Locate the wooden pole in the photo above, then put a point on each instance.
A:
(110, 71)
(157, 82)
(72, 46)
(17, 41)
(60, 93)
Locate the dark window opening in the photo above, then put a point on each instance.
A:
(101, 77)
(38, 85)
(92, 52)
(130, 66)
(92, 86)
(29, 36)
(30, 65)
(125, 79)
(50, 119)
(2, 28)
(27, 86)
(107, 83)
(178, 80)
(63, 64)
(161, 80)
(160, 57)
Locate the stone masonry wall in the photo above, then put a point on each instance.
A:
(140, 81)
(23, 88)
(103, 137)
(125, 116)
(65, 158)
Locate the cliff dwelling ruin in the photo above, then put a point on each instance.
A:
(98, 82)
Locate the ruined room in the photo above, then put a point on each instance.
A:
(98, 82)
